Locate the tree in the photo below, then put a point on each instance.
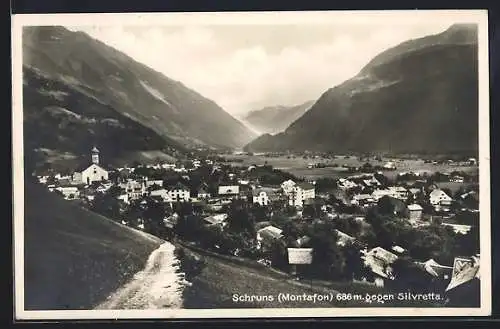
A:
(239, 219)
(328, 261)
(386, 206)
(291, 231)
(469, 243)
(191, 227)
(383, 180)
(153, 216)
(279, 255)
(106, 205)
(354, 265)
(409, 275)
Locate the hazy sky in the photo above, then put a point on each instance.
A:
(247, 67)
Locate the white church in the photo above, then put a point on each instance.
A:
(93, 173)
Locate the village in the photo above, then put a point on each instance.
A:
(401, 233)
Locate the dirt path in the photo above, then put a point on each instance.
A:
(158, 286)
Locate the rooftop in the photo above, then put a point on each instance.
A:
(414, 207)
(305, 186)
(271, 231)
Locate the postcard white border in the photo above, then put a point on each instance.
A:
(479, 17)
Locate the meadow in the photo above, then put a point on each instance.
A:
(299, 166)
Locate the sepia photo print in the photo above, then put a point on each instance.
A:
(252, 164)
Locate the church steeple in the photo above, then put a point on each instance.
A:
(95, 155)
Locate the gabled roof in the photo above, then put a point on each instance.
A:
(435, 269)
(271, 232)
(437, 192)
(302, 241)
(83, 167)
(362, 197)
(229, 189)
(305, 186)
(378, 259)
(414, 207)
(269, 191)
(202, 190)
(216, 219)
(343, 238)
(381, 253)
(178, 186)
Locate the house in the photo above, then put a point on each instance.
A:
(379, 261)
(135, 189)
(153, 182)
(92, 173)
(216, 220)
(123, 197)
(168, 166)
(457, 179)
(372, 182)
(287, 186)
(363, 200)
(415, 212)
(103, 187)
(267, 235)
(263, 195)
(162, 193)
(302, 241)
(179, 192)
(458, 228)
(202, 193)
(390, 165)
(470, 199)
(229, 190)
(439, 198)
(300, 193)
(436, 270)
(380, 193)
(171, 221)
(69, 192)
(399, 192)
(343, 238)
(414, 191)
(43, 179)
(345, 184)
(398, 250)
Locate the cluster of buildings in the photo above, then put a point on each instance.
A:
(94, 177)
(409, 202)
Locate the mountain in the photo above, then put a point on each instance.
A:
(275, 119)
(75, 262)
(418, 97)
(78, 91)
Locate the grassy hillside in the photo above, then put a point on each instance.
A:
(98, 73)
(74, 258)
(61, 117)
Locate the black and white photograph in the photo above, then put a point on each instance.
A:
(251, 164)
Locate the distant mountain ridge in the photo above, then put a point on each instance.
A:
(275, 119)
(76, 85)
(420, 96)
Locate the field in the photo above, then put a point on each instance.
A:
(75, 258)
(298, 166)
